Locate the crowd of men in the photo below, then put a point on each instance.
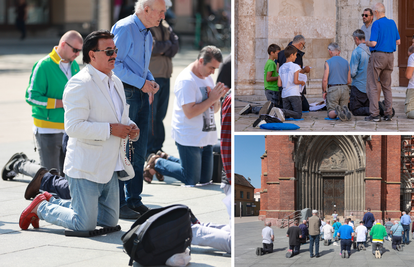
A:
(348, 89)
(315, 229)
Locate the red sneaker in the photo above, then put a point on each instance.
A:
(28, 217)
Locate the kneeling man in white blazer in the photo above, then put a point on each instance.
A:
(97, 122)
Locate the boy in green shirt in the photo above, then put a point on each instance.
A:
(270, 83)
(271, 76)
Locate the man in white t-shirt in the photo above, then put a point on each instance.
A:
(409, 100)
(361, 232)
(327, 233)
(289, 80)
(193, 125)
(268, 238)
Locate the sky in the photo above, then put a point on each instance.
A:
(247, 152)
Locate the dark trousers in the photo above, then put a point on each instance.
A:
(314, 239)
(267, 248)
(406, 235)
(396, 240)
(292, 107)
(358, 102)
(346, 245)
(274, 97)
(295, 249)
(21, 26)
(375, 246)
(55, 184)
(158, 111)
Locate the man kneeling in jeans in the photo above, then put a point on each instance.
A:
(193, 125)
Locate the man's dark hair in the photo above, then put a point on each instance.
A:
(346, 221)
(91, 42)
(361, 222)
(370, 11)
(290, 50)
(360, 34)
(296, 221)
(389, 219)
(368, 209)
(209, 52)
(273, 48)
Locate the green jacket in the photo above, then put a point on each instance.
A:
(378, 232)
(46, 85)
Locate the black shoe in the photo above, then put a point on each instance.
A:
(312, 256)
(387, 118)
(33, 188)
(246, 110)
(141, 209)
(372, 118)
(256, 122)
(317, 256)
(258, 251)
(126, 213)
(266, 108)
(271, 119)
(8, 173)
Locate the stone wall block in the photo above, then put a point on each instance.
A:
(247, 7)
(320, 48)
(261, 27)
(261, 7)
(325, 9)
(260, 64)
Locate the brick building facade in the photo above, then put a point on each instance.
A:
(346, 173)
(243, 196)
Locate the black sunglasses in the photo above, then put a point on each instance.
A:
(365, 15)
(75, 50)
(108, 52)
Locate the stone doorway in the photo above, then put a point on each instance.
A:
(333, 195)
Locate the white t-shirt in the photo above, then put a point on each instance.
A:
(200, 130)
(410, 64)
(361, 232)
(351, 224)
(327, 232)
(286, 73)
(267, 233)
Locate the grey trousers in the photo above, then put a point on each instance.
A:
(217, 236)
(50, 151)
(292, 107)
(380, 65)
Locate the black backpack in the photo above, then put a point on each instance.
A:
(158, 234)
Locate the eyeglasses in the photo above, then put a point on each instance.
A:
(303, 46)
(108, 52)
(75, 50)
(365, 15)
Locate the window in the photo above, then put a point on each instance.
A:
(248, 195)
(241, 194)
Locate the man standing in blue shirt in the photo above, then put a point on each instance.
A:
(359, 103)
(383, 42)
(134, 41)
(346, 232)
(405, 222)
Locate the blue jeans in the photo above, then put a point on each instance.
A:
(92, 204)
(158, 110)
(194, 166)
(139, 113)
(406, 235)
(314, 239)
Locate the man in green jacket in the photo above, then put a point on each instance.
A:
(44, 93)
(378, 232)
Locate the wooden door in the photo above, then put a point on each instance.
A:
(333, 195)
(406, 30)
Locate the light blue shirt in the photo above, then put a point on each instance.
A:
(134, 43)
(405, 219)
(338, 70)
(397, 229)
(359, 66)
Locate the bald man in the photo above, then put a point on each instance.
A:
(44, 93)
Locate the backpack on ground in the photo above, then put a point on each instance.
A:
(158, 234)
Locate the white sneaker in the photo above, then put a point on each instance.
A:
(277, 112)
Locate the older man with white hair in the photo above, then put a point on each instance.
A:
(314, 232)
(336, 78)
(134, 42)
(383, 42)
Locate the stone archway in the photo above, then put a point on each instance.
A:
(318, 159)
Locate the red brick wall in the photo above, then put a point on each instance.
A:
(391, 173)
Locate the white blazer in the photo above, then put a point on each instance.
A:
(88, 111)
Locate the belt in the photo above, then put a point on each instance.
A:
(375, 51)
(330, 85)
